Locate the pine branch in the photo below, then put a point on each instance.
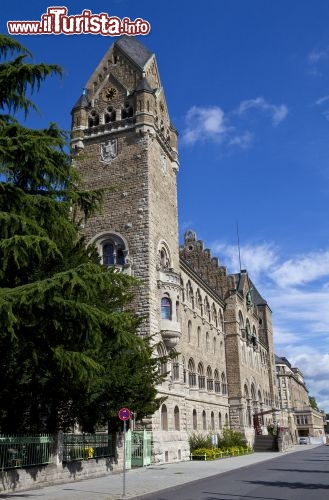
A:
(18, 78)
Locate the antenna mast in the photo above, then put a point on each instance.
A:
(237, 232)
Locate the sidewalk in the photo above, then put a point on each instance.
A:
(146, 480)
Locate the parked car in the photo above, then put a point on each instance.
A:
(303, 440)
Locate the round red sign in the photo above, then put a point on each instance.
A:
(124, 414)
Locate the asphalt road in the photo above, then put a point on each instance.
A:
(296, 476)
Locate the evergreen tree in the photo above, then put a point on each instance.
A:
(313, 403)
(68, 343)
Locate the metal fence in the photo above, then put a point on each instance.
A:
(85, 446)
(24, 450)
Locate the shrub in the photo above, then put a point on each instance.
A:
(197, 441)
(210, 453)
(230, 438)
(215, 453)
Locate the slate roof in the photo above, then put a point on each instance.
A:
(134, 49)
(240, 279)
(82, 102)
(143, 85)
(280, 361)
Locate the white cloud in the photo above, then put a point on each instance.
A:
(257, 259)
(317, 55)
(302, 269)
(277, 113)
(244, 140)
(211, 123)
(297, 291)
(321, 100)
(205, 123)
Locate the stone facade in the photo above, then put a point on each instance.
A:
(297, 414)
(219, 325)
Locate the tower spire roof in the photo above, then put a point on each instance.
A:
(134, 50)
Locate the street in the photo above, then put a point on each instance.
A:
(295, 476)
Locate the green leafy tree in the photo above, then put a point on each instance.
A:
(68, 342)
(313, 403)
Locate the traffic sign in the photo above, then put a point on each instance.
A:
(124, 414)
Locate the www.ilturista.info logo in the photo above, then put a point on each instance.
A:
(56, 22)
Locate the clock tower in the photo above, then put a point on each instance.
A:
(124, 140)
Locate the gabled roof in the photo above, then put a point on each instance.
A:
(143, 85)
(242, 279)
(134, 49)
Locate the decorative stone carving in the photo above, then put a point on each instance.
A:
(109, 150)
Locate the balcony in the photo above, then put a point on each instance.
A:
(170, 331)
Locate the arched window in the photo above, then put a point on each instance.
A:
(220, 321)
(210, 381)
(199, 303)
(253, 392)
(204, 421)
(166, 309)
(189, 331)
(214, 315)
(108, 254)
(184, 370)
(164, 418)
(127, 111)
(214, 345)
(93, 120)
(191, 373)
(207, 309)
(226, 420)
(219, 420)
(175, 368)
(189, 294)
(120, 256)
(164, 258)
(195, 420)
(260, 399)
(224, 385)
(217, 382)
(177, 310)
(241, 325)
(176, 418)
(110, 115)
(212, 421)
(253, 338)
(112, 250)
(162, 360)
(199, 335)
(246, 392)
(201, 377)
(207, 341)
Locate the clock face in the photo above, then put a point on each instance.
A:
(109, 93)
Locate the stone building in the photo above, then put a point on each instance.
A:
(219, 324)
(297, 414)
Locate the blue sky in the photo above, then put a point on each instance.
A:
(247, 87)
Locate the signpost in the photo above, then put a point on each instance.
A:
(124, 415)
